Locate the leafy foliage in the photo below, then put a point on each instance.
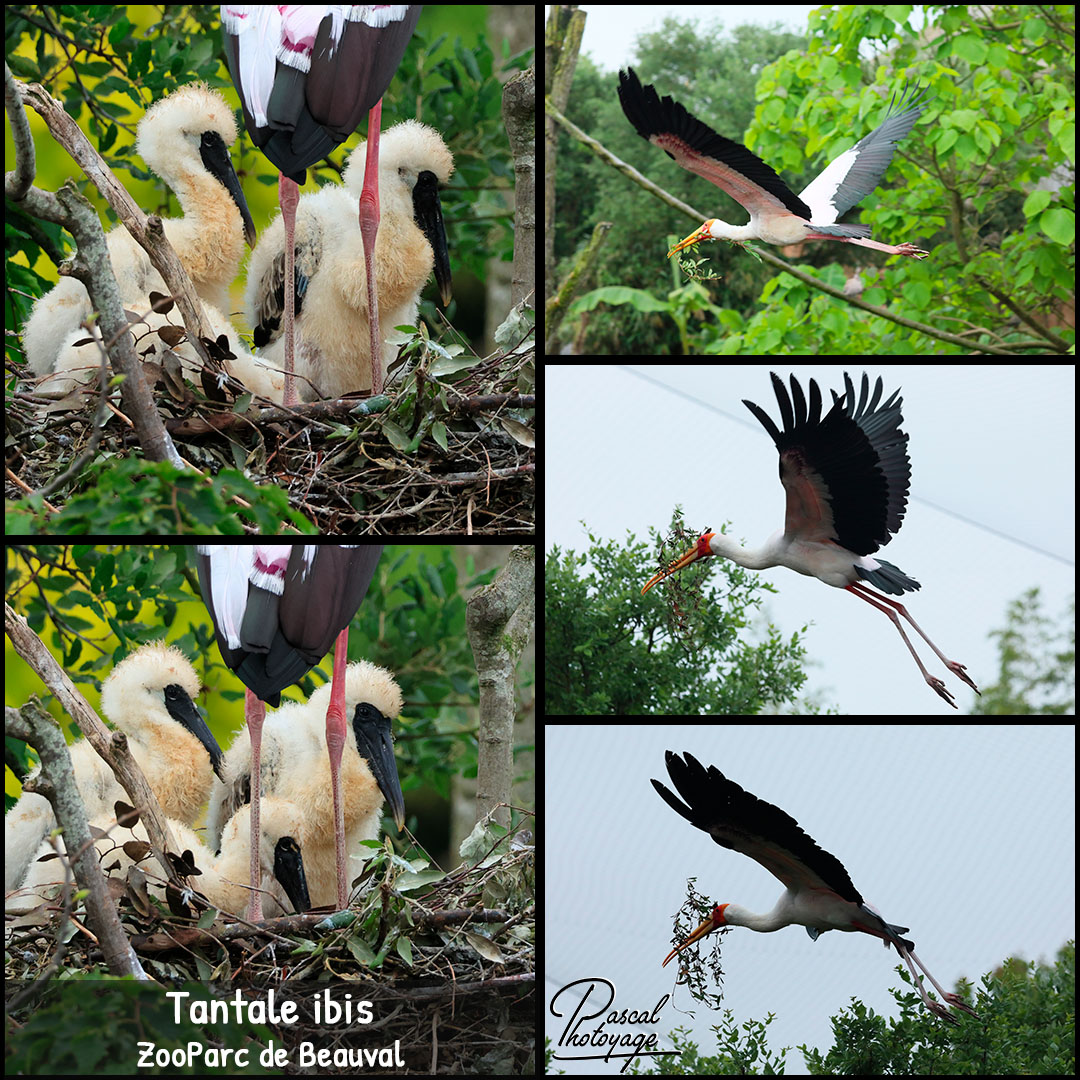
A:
(982, 181)
(613, 652)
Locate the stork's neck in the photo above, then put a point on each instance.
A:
(780, 228)
(752, 558)
(721, 230)
(777, 919)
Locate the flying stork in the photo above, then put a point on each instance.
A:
(306, 75)
(277, 609)
(819, 894)
(777, 214)
(295, 772)
(184, 139)
(846, 476)
(149, 696)
(333, 356)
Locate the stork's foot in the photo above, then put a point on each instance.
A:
(956, 1003)
(939, 1010)
(940, 689)
(961, 673)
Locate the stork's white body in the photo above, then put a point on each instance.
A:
(77, 365)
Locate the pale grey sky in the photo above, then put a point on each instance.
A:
(611, 30)
(964, 834)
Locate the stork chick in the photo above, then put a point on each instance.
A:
(295, 769)
(221, 878)
(184, 138)
(150, 697)
(334, 351)
(157, 335)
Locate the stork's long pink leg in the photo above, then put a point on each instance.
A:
(862, 241)
(935, 684)
(335, 746)
(255, 714)
(369, 227)
(289, 198)
(952, 999)
(934, 1006)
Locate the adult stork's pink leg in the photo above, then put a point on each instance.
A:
(934, 1006)
(891, 249)
(335, 745)
(878, 601)
(255, 714)
(289, 198)
(952, 999)
(369, 227)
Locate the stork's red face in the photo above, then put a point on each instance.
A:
(713, 922)
(704, 233)
(698, 551)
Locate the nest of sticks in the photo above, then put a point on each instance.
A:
(442, 452)
(446, 964)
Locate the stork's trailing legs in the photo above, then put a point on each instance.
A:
(934, 1006)
(939, 688)
(369, 228)
(890, 249)
(952, 999)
